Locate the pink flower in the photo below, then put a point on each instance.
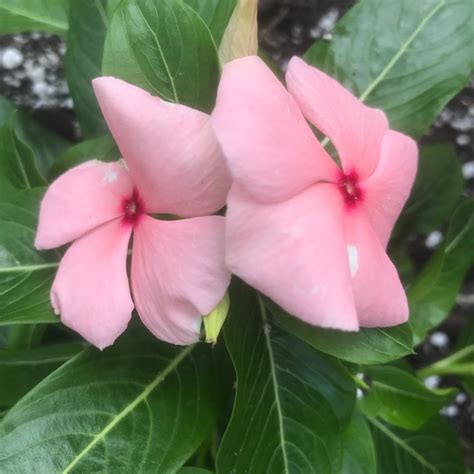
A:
(173, 166)
(303, 231)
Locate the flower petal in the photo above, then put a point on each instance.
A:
(178, 274)
(378, 292)
(81, 199)
(355, 129)
(387, 190)
(295, 253)
(170, 150)
(270, 149)
(91, 289)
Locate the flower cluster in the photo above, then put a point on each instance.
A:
(304, 231)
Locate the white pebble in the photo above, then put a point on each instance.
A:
(359, 393)
(434, 239)
(11, 58)
(468, 170)
(450, 411)
(432, 381)
(463, 139)
(439, 339)
(461, 398)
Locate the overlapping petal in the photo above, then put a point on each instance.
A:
(178, 274)
(379, 295)
(81, 199)
(388, 189)
(91, 290)
(170, 150)
(295, 253)
(270, 149)
(355, 129)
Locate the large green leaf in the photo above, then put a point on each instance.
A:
(21, 370)
(83, 60)
(165, 47)
(434, 449)
(215, 13)
(140, 406)
(25, 275)
(101, 148)
(292, 402)
(401, 399)
(359, 453)
(406, 57)
(436, 192)
(368, 346)
(27, 15)
(18, 167)
(434, 292)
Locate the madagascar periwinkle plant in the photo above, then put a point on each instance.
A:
(221, 274)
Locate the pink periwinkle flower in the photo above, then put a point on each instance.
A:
(307, 233)
(173, 165)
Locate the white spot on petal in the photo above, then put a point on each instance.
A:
(353, 256)
(110, 176)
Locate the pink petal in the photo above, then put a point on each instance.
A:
(295, 253)
(388, 189)
(171, 151)
(271, 151)
(378, 292)
(178, 274)
(91, 289)
(355, 129)
(80, 200)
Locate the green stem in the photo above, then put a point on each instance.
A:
(360, 383)
(451, 365)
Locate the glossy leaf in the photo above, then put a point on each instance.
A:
(83, 62)
(433, 293)
(21, 370)
(101, 148)
(359, 452)
(140, 406)
(368, 346)
(215, 13)
(25, 275)
(18, 168)
(401, 399)
(434, 449)
(437, 190)
(27, 15)
(164, 47)
(407, 58)
(292, 402)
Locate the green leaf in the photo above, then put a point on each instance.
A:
(18, 168)
(193, 470)
(368, 346)
(434, 292)
(434, 449)
(82, 63)
(27, 15)
(164, 47)
(401, 399)
(6, 109)
(140, 406)
(359, 453)
(407, 58)
(437, 190)
(25, 275)
(100, 148)
(215, 13)
(21, 370)
(292, 402)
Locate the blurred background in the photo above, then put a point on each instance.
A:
(31, 76)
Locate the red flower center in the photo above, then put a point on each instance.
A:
(351, 191)
(132, 208)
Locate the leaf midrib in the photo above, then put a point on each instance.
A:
(403, 445)
(130, 407)
(274, 383)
